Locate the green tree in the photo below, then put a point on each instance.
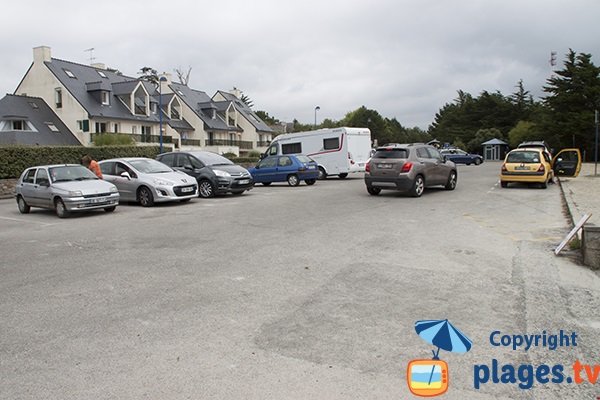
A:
(524, 131)
(149, 74)
(573, 95)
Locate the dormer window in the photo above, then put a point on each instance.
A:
(105, 98)
(17, 125)
(69, 73)
(153, 107)
(140, 101)
(175, 109)
(58, 97)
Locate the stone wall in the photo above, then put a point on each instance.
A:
(7, 188)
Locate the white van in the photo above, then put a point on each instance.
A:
(338, 151)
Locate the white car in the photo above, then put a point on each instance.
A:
(148, 181)
(64, 188)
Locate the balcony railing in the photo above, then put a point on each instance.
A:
(264, 143)
(151, 138)
(224, 142)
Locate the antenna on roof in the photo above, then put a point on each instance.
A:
(92, 58)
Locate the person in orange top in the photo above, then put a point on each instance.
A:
(92, 165)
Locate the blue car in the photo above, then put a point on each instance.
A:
(290, 168)
(459, 156)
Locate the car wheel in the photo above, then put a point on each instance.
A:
(23, 206)
(343, 176)
(110, 209)
(373, 191)
(451, 184)
(61, 210)
(504, 184)
(145, 197)
(477, 161)
(293, 180)
(322, 173)
(266, 183)
(418, 187)
(310, 181)
(205, 189)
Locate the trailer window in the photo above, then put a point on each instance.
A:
(331, 143)
(291, 148)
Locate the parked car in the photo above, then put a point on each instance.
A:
(410, 168)
(458, 156)
(148, 181)
(290, 168)
(534, 165)
(64, 188)
(214, 173)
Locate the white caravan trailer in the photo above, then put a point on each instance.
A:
(338, 151)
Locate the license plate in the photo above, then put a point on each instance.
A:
(187, 189)
(244, 181)
(384, 166)
(522, 168)
(98, 200)
(312, 167)
(361, 164)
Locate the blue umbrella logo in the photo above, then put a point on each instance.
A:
(443, 335)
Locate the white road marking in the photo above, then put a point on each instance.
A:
(25, 220)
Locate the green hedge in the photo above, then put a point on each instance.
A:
(15, 159)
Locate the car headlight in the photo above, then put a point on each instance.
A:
(114, 189)
(219, 172)
(162, 182)
(75, 193)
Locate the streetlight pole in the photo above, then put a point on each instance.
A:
(160, 124)
(596, 144)
(317, 108)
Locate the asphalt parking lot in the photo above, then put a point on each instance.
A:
(287, 292)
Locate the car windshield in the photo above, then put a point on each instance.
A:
(149, 166)
(70, 173)
(523, 157)
(209, 158)
(391, 153)
(304, 159)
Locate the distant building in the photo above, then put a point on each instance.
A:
(26, 120)
(494, 150)
(92, 100)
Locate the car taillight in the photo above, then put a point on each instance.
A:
(504, 168)
(406, 167)
(541, 168)
(368, 167)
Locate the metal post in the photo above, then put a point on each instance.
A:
(596, 144)
(160, 138)
(317, 108)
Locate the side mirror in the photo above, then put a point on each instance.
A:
(444, 158)
(257, 166)
(262, 155)
(44, 183)
(188, 167)
(125, 174)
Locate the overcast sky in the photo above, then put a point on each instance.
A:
(405, 59)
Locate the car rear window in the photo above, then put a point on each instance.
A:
(523, 157)
(391, 153)
(304, 159)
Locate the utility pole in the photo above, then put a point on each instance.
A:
(596, 144)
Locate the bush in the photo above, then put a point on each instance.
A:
(15, 159)
(230, 156)
(113, 139)
(254, 154)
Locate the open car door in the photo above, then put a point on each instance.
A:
(567, 162)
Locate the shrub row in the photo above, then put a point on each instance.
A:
(15, 159)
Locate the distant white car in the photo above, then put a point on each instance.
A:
(64, 188)
(148, 181)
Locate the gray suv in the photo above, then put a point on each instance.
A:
(409, 168)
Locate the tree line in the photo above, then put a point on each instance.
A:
(563, 117)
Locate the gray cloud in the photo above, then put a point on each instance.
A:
(405, 59)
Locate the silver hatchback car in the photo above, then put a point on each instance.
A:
(64, 188)
(409, 168)
(148, 181)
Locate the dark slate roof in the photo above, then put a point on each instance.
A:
(84, 75)
(40, 115)
(202, 105)
(247, 112)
